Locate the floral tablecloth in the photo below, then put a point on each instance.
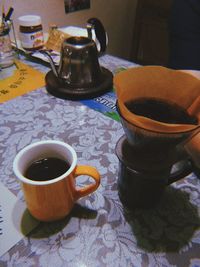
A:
(98, 232)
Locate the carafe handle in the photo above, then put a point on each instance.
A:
(183, 161)
(182, 172)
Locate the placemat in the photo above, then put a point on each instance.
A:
(24, 79)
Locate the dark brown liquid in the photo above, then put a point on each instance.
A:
(46, 169)
(159, 110)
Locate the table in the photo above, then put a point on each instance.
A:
(99, 231)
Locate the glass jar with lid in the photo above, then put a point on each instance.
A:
(31, 32)
(6, 51)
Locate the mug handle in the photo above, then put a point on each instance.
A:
(90, 171)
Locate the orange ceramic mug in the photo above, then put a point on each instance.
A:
(53, 199)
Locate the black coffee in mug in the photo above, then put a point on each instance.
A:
(46, 169)
(160, 110)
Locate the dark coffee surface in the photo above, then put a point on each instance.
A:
(159, 110)
(46, 169)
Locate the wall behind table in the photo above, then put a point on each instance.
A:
(116, 15)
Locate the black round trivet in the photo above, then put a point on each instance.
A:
(65, 91)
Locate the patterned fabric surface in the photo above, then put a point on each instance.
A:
(98, 232)
(1, 220)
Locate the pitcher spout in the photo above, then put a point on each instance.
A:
(52, 64)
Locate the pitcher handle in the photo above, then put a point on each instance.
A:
(101, 35)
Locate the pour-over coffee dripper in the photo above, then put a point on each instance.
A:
(153, 82)
(154, 146)
(147, 141)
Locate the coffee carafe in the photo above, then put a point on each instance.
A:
(159, 110)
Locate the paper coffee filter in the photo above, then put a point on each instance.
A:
(161, 83)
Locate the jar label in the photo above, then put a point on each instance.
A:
(5, 44)
(6, 52)
(32, 40)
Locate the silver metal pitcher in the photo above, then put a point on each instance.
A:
(79, 74)
(79, 65)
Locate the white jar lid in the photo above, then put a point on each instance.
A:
(29, 20)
